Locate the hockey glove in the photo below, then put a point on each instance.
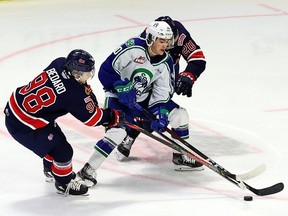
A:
(126, 92)
(161, 120)
(117, 118)
(184, 84)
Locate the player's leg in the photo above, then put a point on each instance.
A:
(102, 149)
(124, 148)
(179, 121)
(47, 168)
(47, 140)
(62, 171)
(55, 147)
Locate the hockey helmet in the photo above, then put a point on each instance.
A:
(158, 29)
(172, 25)
(80, 61)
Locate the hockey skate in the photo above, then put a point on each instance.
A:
(123, 149)
(88, 175)
(48, 174)
(184, 163)
(74, 187)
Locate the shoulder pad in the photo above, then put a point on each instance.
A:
(136, 42)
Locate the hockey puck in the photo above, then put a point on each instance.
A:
(248, 198)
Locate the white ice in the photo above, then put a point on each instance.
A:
(238, 112)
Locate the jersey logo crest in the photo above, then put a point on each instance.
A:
(88, 89)
(141, 78)
(81, 61)
(130, 42)
(140, 60)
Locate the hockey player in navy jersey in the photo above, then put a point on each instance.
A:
(33, 108)
(141, 71)
(181, 45)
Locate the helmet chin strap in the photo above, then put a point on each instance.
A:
(151, 52)
(77, 75)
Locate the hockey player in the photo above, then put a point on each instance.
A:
(141, 71)
(32, 110)
(182, 45)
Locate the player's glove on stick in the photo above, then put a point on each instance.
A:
(126, 92)
(161, 119)
(184, 84)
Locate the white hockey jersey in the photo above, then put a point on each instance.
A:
(153, 76)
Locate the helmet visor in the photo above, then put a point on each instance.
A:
(86, 75)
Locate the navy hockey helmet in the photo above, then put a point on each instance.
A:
(80, 61)
(172, 25)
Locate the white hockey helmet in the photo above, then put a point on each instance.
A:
(158, 29)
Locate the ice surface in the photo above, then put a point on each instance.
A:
(238, 112)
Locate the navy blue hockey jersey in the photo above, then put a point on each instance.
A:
(53, 93)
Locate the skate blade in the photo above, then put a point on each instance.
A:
(89, 183)
(71, 195)
(185, 168)
(49, 180)
(119, 156)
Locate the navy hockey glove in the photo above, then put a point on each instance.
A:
(184, 84)
(161, 120)
(126, 92)
(117, 118)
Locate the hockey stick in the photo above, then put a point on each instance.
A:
(235, 179)
(205, 160)
(244, 176)
(251, 174)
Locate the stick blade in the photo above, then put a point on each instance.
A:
(266, 191)
(253, 173)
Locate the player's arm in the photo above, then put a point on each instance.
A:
(87, 111)
(195, 59)
(196, 64)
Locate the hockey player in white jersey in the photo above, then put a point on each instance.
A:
(141, 71)
(182, 45)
